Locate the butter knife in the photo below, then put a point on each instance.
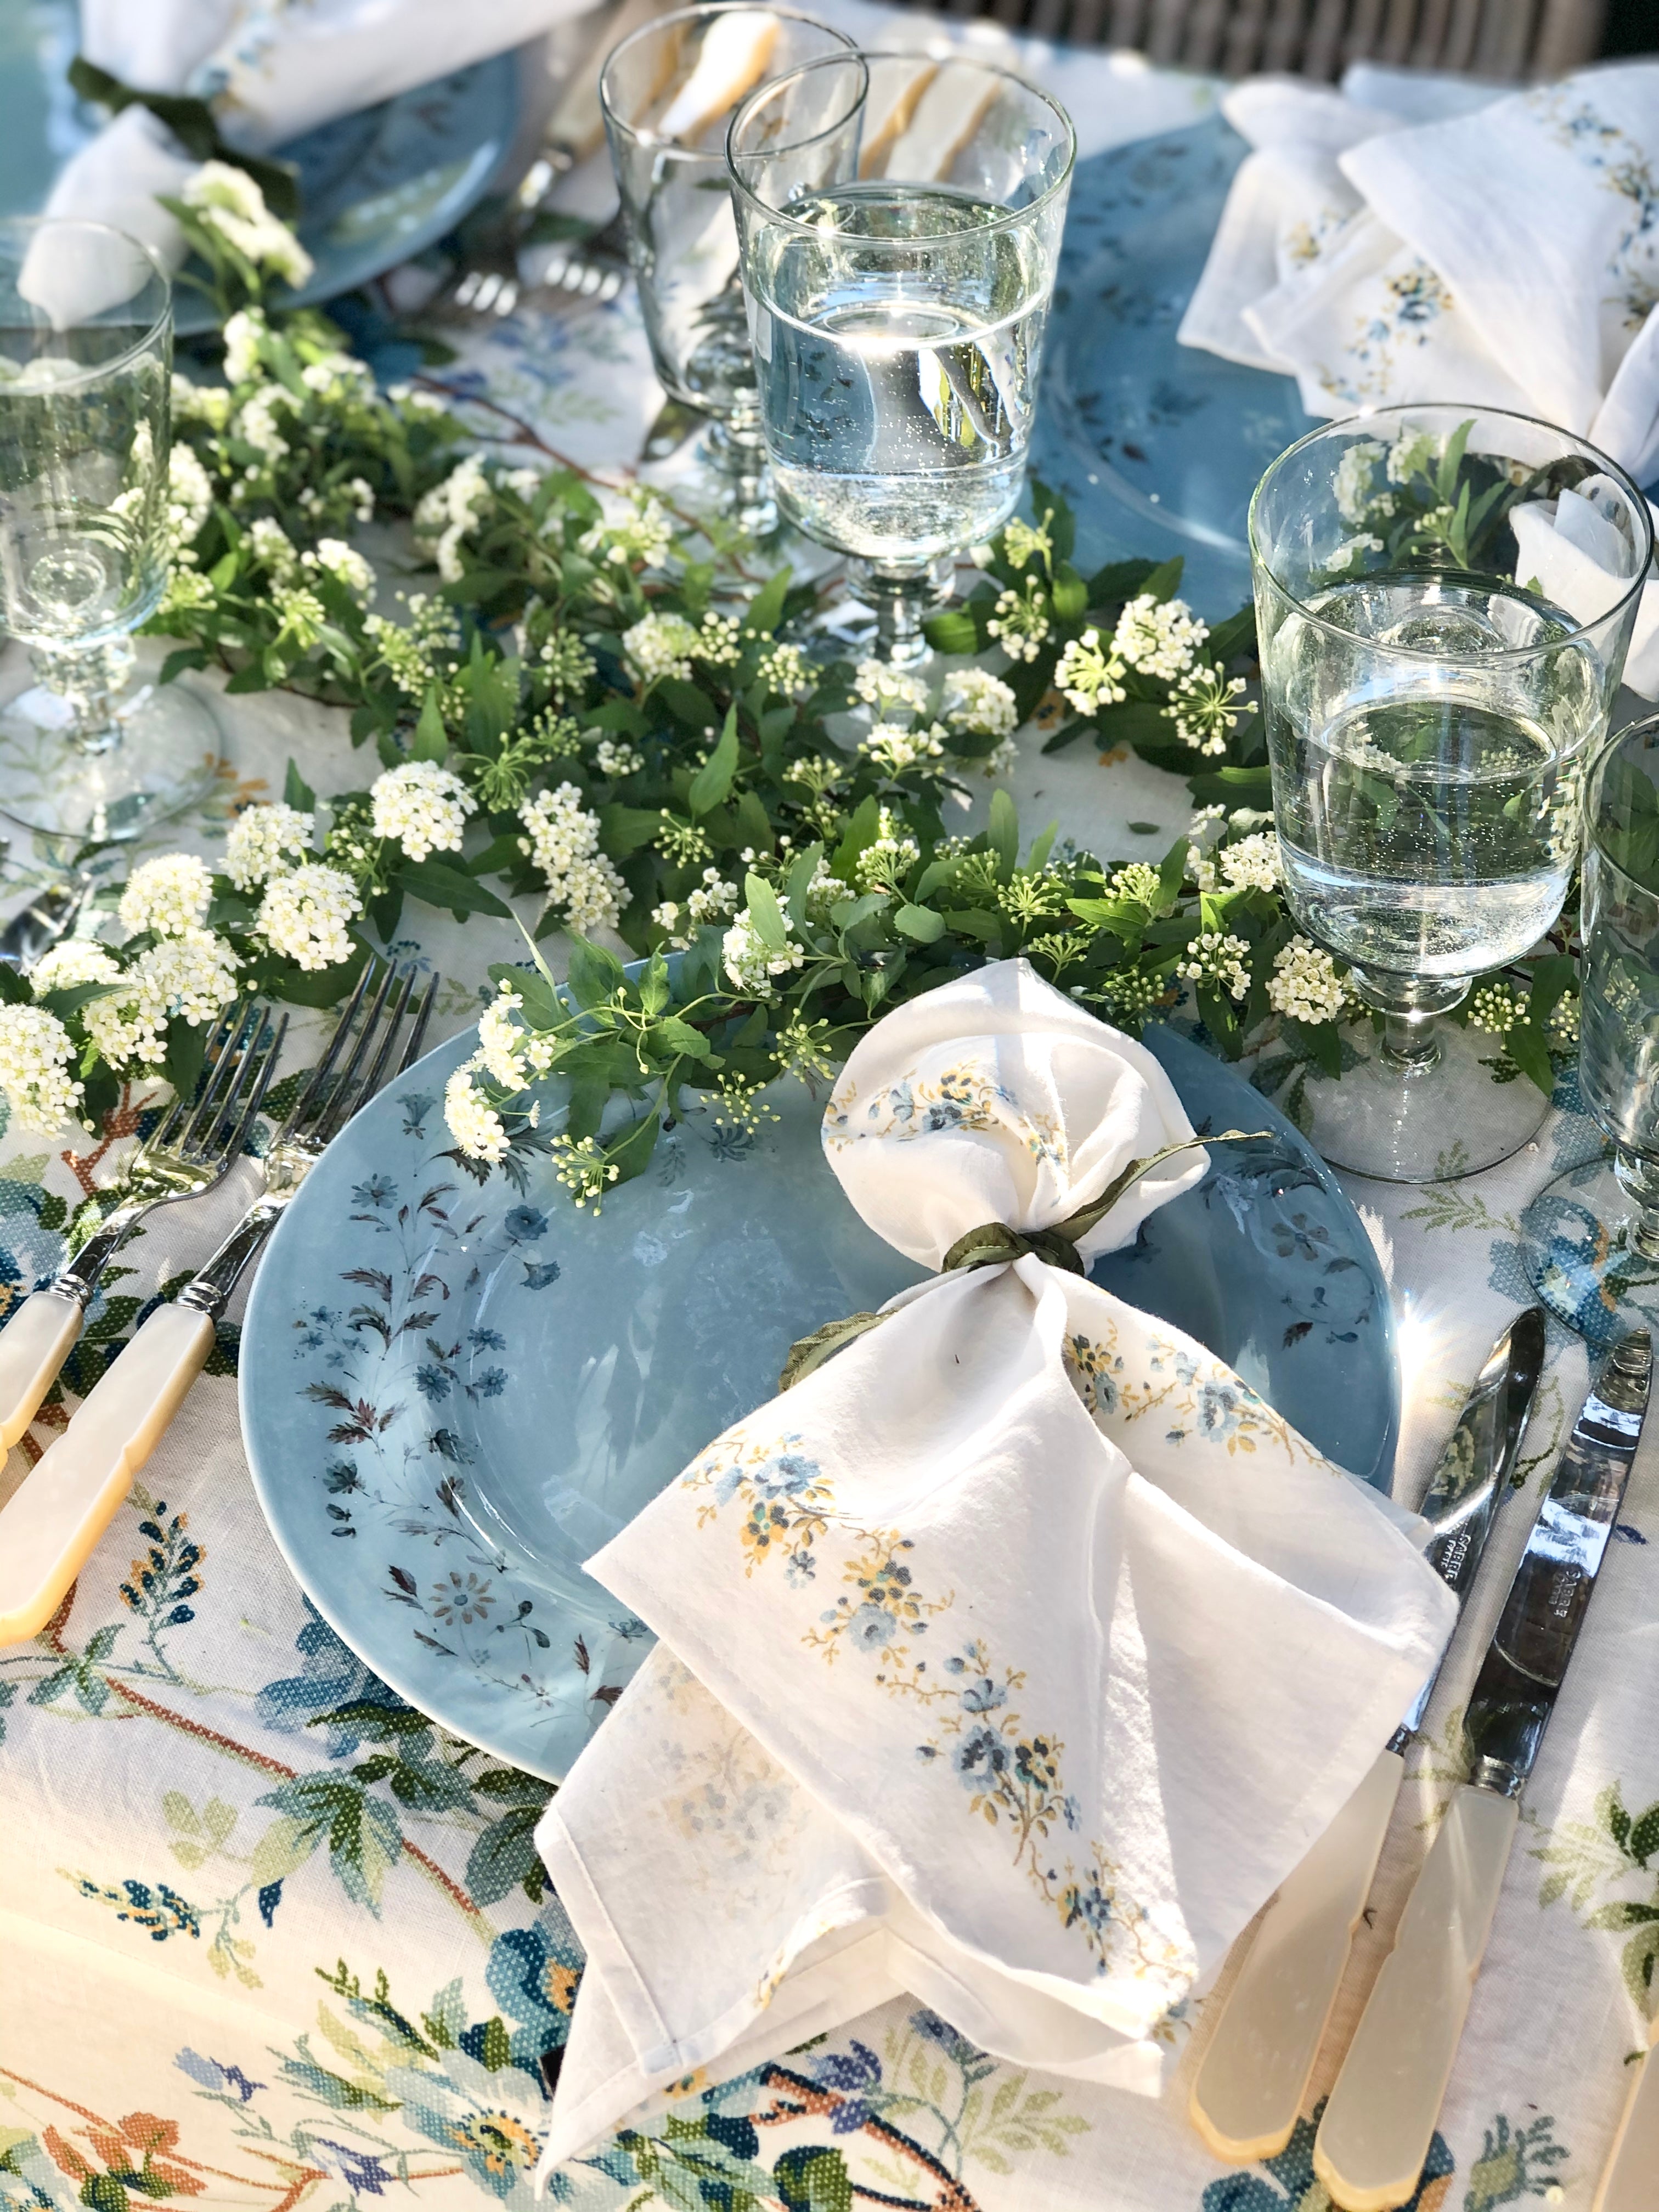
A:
(1250, 2088)
(1379, 2122)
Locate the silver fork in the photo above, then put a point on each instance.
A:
(186, 1153)
(52, 1525)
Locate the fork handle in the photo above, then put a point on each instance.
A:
(50, 1527)
(34, 1344)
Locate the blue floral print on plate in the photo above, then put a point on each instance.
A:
(1157, 446)
(453, 1393)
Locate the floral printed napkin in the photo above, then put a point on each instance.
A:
(1011, 1658)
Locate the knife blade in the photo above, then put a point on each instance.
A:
(1249, 2090)
(1380, 2120)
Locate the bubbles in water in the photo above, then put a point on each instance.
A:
(70, 581)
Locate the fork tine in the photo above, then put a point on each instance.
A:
(205, 1140)
(218, 1045)
(416, 1035)
(269, 1058)
(376, 1074)
(302, 1105)
(220, 1076)
(334, 1110)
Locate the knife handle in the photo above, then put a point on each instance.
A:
(1380, 2120)
(1630, 2179)
(34, 1344)
(1250, 2087)
(50, 1527)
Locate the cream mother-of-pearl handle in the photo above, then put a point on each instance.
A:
(34, 1344)
(1254, 2076)
(1379, 2122)
(51, 1526)
(1630, 2180)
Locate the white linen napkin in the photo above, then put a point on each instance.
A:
(1011, 1658)
(270, 73)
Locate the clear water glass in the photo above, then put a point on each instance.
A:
(86, 353)
(1591, 1238)
(1445, 597)
(900, 219)
(667, 93)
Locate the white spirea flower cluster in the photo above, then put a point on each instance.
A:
(190, 976)
(450, 512)
(1021, 543)
(719, 641)
(207, 404)
(476, 1128)
(261, 840)
(975, 700)
(1218, 957)
(1136, 880)
(507, 1052)
(1253, 863)
(421, 806)
(643, 536)
(1351, 485)
(256, 424)
(337, 559)
(563, 842)
(711, 900)
(784, 671)
(884, 864)
(750, 963)
(229, 201)
(73, 961)
(1019, 621)
(167, 895)
(614, 757)
(660, 645)
(1089, 674)
(895, 749)
(1304, 984)
(1159, 637)
(35, 1052)
(303, 915)
(1495, 1009)
(190, 496)
(890, 690)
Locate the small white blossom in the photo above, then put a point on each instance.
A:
(230, 200)
(190, 495)
(169, 895)
(1159, 637)
(1217, 958)
(207, 404)
(1351, 485)
(450, 512)
(895, 749)
(304, 915)
(614, 757)
(752, 965)
(719, 641)
(271, 546)
(975, 700)
(243, 334)
(884, 864)
(34, 1068)
(644, 536)
(1088, 675)
(711, 900)
(825, 891)
(1304, 984)
(190, 978)
(1348, 552)
(347, 563)
(784, 671)
(74, 960)
(507, 1052)
(424, 806)
(1019, 621)
(887, 689)
(1205, 710)
(660, 645)
(1137, 881)
(563, 840)
(1021, 543)
(263, 840)
(301, 617)
(476, 1128)
(256, 426)
(1253, 863)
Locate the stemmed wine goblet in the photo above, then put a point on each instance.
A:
(1591, 1238)
(86, 352)
(667, 92)
(900, 220)
(1445, 597)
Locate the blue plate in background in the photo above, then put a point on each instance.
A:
(1157, 446)
(453, 1393)
(378, 186)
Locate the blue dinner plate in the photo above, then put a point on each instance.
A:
(1157, 446)
(377, 187)
(453, 1393)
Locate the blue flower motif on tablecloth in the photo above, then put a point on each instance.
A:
(1286, 2183)
(214, 2074)
(1220, 1407)
(870, 1628)
(533, 1974)
(980, 1759)
(490, 2118)
(331, 1676)
(358, 2169)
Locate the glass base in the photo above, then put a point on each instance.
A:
(882, 616)
(1424, 1120)
(158, 755)
(1582, 1239)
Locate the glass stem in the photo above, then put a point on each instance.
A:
(1639, 1180)
(88, 679)
(735, 451)
(1409, 1006)
(901, 604)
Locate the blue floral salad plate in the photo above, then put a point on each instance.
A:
(453, 1392)
(1157, 447)
(376, 187)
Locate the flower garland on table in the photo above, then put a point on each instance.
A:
(580, 712)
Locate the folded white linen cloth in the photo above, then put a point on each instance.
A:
(1011, 1658)
(270, 72)
(1503, 251)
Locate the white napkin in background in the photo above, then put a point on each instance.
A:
(271, 73)
(1021, 1545)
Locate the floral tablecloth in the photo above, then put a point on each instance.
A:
(267, 1937)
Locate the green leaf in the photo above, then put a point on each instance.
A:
(919, 922)
(766, 608)
(187, 1049)
(435, 882)
(1118, 581)
(955, 630)
(316, 986)
(680, 1036)
(653, 985)
(625, 830)
(594, 974)
(296, 791)
(1172, 873)
(14, 986)
(633, 1155)
(754, 824)
(712, 781)
(1003, 829)
(766, 914)
(1527, 1046)
(431, 740)
(813, 2178)
(1070, 593)
(1165, 581)
(186, 656)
